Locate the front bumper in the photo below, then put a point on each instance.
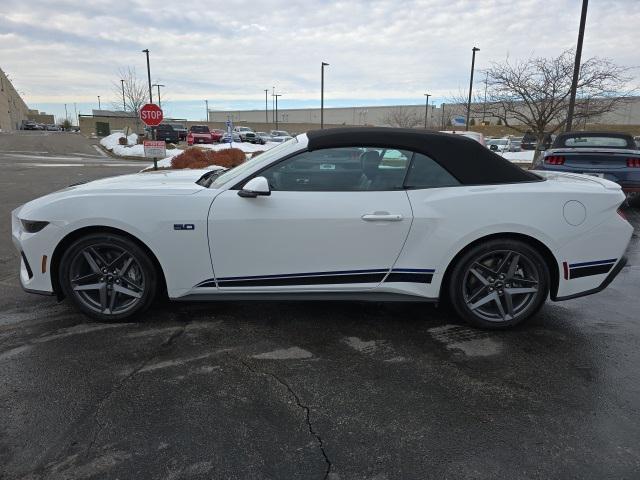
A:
(35, 256)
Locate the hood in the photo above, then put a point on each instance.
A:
(160, 182)
(167, 182)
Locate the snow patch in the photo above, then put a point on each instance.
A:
(293, 353)
(361, 346)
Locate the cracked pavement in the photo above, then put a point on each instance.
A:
(288, 390)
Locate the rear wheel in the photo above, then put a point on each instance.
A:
(499, 283)
(108, 276)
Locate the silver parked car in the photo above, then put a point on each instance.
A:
(280, 136)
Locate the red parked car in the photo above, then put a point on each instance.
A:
(217, 135)
(199, 134)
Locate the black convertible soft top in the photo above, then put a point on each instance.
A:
(464, 158)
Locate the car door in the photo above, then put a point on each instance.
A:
(336, 219)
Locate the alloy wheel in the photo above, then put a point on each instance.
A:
(107, 279)
(500, 285)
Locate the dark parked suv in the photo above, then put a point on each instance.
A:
(181, 129)
(165, 132)
(530, 140)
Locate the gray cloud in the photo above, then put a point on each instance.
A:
(72, 50)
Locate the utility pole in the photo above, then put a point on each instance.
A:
(99, 105)
(443, 125)
(276, 107)
(158, 85)
(206, 104)
(473, 62)
(273, 104)
(66, 115)
(75, 111)
(576, 67)
(124, 103)
(146, 50)
(266, 106)
(426, 109)
(322, 94)
(484, 107)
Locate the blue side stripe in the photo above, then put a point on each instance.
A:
(310, 274)
(319, 274)
(414, 270)
(588, 264)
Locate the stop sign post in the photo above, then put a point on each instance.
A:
(151, 115)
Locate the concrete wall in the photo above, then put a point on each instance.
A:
(627, 113)
(353, 116)
(13, 110)
(41, 117)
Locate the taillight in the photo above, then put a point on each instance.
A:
(554, 160)
(633, 162)
(621, 213)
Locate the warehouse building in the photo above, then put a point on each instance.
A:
(13, 110)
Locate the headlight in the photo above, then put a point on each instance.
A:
(33, 226)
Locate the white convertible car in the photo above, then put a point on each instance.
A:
(366, 213)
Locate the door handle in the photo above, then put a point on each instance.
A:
(381, 217)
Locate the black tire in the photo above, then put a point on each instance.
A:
(108, 277)
(489, 291)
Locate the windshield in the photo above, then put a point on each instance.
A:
(270, 154)
(593, 141)
(280, 133)
(200, 129)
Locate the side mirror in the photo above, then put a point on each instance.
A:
(254, 187)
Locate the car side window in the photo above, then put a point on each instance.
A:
(425, 172)
(349, 169)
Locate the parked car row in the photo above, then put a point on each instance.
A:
(50, 127)
(202, 134)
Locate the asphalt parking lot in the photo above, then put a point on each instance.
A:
(287, 390)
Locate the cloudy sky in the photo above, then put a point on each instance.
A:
(380, 51)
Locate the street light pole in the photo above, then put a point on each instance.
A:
(266, 106)
(473, 62)
(276, 109)
(576, 67)
(206, 105)
(99, 105)
(124, 103)
(426, 109)
(484, 106)
(273, 104)
(159, 100)
(146, 50)
(443, 125)
(322, 94)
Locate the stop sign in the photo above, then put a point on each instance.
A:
(151, 115)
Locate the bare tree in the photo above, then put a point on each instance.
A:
(533, 94)
(135, 92)
(403, 117)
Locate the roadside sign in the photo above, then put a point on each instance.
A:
(458, 121)
(229, 131)
(155, 148)
(151, 115)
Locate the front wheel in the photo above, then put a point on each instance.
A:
(108, 276)
(499, 283)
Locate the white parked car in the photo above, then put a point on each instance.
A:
(354, 213)
(477, 136)
(499, 145)
(241, 131)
